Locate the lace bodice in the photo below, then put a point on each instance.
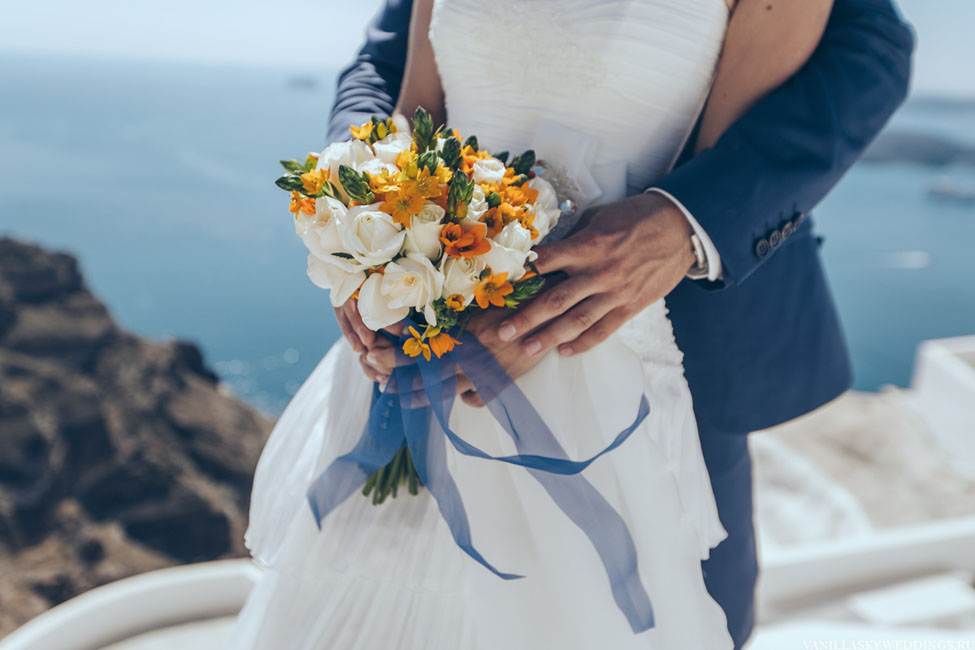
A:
(632, 75)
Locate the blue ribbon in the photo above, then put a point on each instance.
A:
(414, 410)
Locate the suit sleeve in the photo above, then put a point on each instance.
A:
(370, 84)
(752, 189)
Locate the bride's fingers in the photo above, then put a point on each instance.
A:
(598, 333)
(468, 394)
(366, 335)
(543, 308)
(472, 398)
(372, 373)
(347, 331)
(570, 325)
(385, 356)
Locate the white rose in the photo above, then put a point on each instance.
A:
(322, 231)
(370, 235)
(423, 235)
(478, 205)
(546, 207)
(488, 170)
(375, 167)
(413, 281)
(392, 145)
(461, 275)
(340, 276)
(374, 307)
(510, 249)
(351, 153)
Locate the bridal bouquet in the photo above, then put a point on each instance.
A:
(421, 226)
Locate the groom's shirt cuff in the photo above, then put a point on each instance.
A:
(710, 252)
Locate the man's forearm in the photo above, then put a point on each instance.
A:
(781, 157)
(370, 84)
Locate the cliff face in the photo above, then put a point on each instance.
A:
(117, 455)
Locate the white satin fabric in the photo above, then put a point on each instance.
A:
(630, 76)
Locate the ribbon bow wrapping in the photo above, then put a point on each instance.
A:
(415, 410)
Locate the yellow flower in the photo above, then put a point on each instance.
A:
(406, 161)
(444, 174)
(405, 158)
(314, 181)
(415, 346)
(301, 204)
(382, 182)
(361, 132)
(493, 290)
(403, 204)
(427, 185)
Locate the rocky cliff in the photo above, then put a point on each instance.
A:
(117, 455)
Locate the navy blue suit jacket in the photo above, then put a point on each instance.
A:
(764, 345)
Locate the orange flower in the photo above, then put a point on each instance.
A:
(402, 204)
(518, 196)
(300, 203)
(442, 343)
(492, 291)
(493, 221)
(469, 157)
(528, 221)
(415, 346)
(455, 301)
(458, 243)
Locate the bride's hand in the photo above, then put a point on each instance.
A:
(355, 331)
(628, 255)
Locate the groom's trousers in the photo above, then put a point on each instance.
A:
(732, 569)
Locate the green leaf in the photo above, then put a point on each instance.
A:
(523, 163)
(502, 156)
(310, 161)
(289, 183)
(356, 185)
(471, 142)
(292, 165)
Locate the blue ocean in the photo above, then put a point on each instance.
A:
(160, 178)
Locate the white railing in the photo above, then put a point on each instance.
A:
(149, 601)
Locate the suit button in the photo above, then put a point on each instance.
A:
(798, 219)
(787, 229)
(774, 238)
(762, 247)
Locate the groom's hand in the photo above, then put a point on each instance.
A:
(626, 256)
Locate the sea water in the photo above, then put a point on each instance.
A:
(160, 178)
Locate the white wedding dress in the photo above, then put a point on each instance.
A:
(621, 82)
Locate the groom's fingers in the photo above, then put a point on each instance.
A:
(546, 306)
(598, 333)
(570, 325)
